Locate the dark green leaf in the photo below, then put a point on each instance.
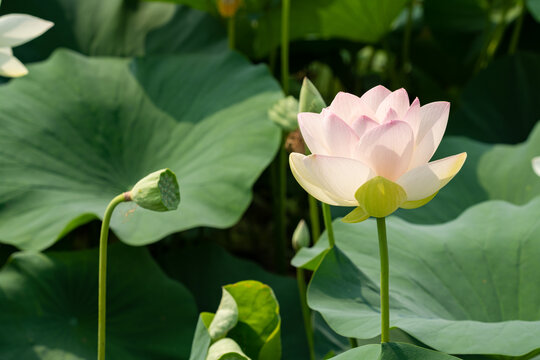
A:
(49, 307)
(392, 351)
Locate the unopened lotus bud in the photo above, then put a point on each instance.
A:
(284, 113)
(228, 8)
(310, 98)
(300, 236)
(157, 191)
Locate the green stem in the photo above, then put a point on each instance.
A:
(383, 254)
(493, 43)
(281, 260)
(327, 216)
(306, 313)
(407, 37)
(314, 218)
(517, 30)
(231, 32)
(102, 295)
(285, 14)
(353, 342)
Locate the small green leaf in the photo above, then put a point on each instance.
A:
(201, 339)
(226, 317)
(259, 323)
(310, 98)
(355, 216)
(226, 349)
(380, 197)
(157, 191)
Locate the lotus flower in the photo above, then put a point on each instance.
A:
(15, 30)
(373, 152)
(536, 165)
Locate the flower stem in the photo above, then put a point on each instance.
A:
(517, 30)
(102, 296)
(306, 313)
(281, 225)
(327, 216)
(314, 218)
(285, 14)
(231, 32)
(383, 254)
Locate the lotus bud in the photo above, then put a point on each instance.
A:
(157, 191)
(536, 165)
(284, 113)
(310, 98)
(300, 236)
(228, 8)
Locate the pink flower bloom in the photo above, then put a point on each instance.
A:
(379, 137)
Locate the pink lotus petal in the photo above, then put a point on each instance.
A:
(387, 149)
(373, 98)
(340, 137)
(398, 100)
(390, 115)
(345, 106)
(433, 120)
(332, 180)
(426, 180)
(364, 124)
(413, 116)
(312, 129)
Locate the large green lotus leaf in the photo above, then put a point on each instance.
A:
(392, 351)
(49, 307)
(115, 27)
(468, 286)
(534, 8)
(259, 22)
(205, 279)
(500, 104)
(77, 131)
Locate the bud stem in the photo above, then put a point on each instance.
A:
(102, 298)
(383, 254)
(285, 15)
(231, 32)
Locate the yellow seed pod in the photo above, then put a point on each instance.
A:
(228, 8)
(379, 197)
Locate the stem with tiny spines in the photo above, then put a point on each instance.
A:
(383, 255)
(102, 294)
